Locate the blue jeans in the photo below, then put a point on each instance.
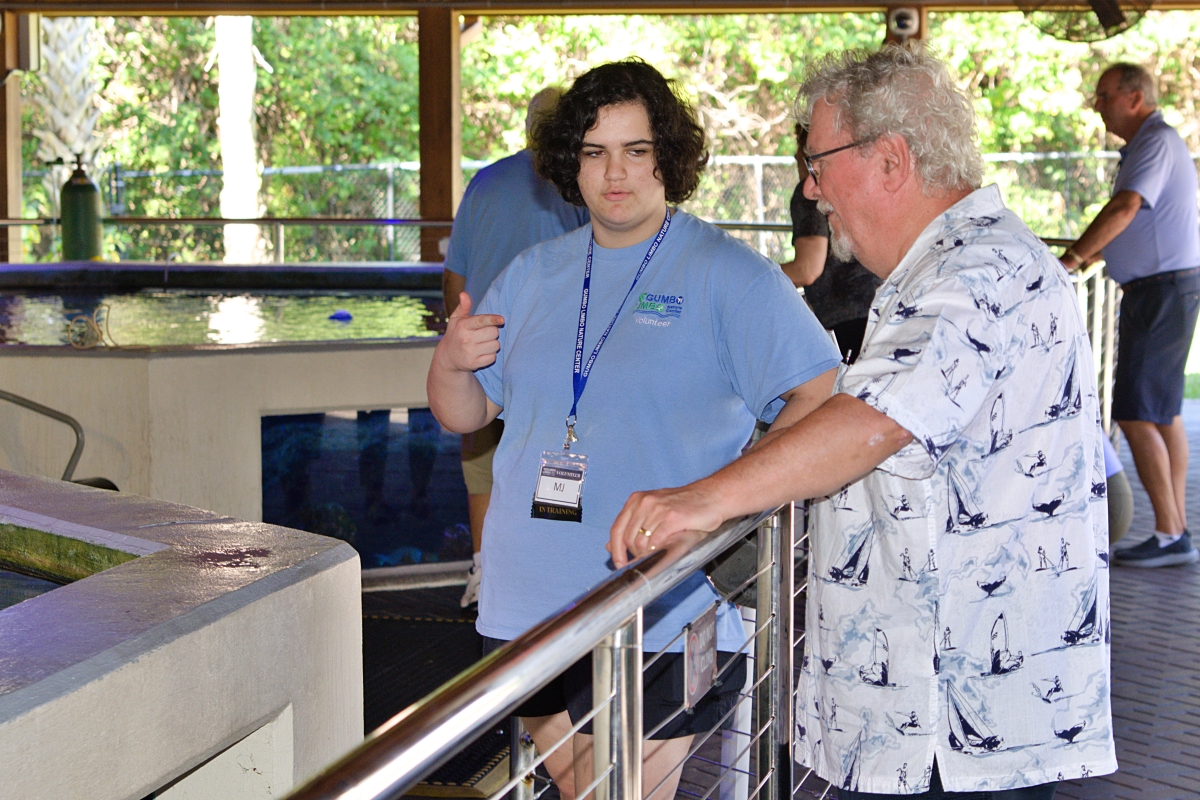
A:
(1044, 791)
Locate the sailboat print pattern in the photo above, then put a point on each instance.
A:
(950, 578)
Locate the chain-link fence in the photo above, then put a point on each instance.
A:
(1056, 193)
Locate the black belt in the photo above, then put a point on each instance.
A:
(1162, 277)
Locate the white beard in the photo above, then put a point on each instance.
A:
(839, 243)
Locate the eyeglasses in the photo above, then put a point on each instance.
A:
(810, 161)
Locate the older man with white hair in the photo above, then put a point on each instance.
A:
(961, 448)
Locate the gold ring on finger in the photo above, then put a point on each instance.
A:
(645, 532)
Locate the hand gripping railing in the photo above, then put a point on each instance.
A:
(606, 621)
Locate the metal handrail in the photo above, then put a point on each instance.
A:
(383, 221)
(25, 402)
(732, 225)
(427, 734)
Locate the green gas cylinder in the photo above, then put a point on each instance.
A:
(82, 232)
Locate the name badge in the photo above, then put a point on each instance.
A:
(700, 657)
(559, 491)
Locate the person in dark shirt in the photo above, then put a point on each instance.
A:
(839, 292)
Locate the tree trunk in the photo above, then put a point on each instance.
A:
(239, 162)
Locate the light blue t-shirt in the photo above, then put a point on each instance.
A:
(1165, 234)
(505, 209)
(709, 340)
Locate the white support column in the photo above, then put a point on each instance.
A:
(242, 178)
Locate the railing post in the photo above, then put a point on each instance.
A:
(1097, 326)
(391, 211)
(521, 755)
(1067, 194)
(760, 205)
(1110, 350)
(785, 625)
(1081, 297)
(766, 653)
(278, 242)
(617, 731)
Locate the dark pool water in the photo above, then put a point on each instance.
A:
(388, 481)
(16, 588)
(183, 317)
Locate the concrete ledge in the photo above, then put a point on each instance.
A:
(119, 684)
(185, 424)
(135, 275)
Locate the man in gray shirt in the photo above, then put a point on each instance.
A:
(1150, 239)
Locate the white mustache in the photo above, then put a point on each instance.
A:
(824, 207)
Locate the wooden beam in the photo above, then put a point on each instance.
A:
(441, 122)
(10, 139)
(501, 7)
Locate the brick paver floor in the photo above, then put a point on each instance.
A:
(1155, 663)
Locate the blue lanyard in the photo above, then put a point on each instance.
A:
(579, 377)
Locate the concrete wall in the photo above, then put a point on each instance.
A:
(183, 424)
(236, 647)
(258, 766)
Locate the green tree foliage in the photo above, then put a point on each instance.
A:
(343, 91)
(1033, 94)
(158, 113)
(1033, 91)
(739, 69)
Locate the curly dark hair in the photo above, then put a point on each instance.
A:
(679, 152)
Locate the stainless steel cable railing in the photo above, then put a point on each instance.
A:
(1099, 298)
(607, 621)
(757, 756)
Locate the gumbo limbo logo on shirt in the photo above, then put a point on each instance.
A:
(657, 309)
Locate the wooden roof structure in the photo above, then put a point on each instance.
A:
(498, 7)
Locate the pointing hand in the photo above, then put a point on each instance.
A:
(471, 342)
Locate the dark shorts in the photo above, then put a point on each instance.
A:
(662, 694)
(1158, 318)
(1044, 791)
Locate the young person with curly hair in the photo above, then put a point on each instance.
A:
(659, 340)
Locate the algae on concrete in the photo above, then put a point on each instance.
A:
(52, 557)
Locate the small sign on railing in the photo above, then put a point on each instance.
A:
(700, 657)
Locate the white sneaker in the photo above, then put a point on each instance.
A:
(471, 595)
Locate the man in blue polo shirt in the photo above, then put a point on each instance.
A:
(1149, 235)
(505, 209)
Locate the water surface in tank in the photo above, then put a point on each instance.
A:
(189, 317)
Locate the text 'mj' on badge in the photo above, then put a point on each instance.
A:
(700, 657)
(559, 492)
